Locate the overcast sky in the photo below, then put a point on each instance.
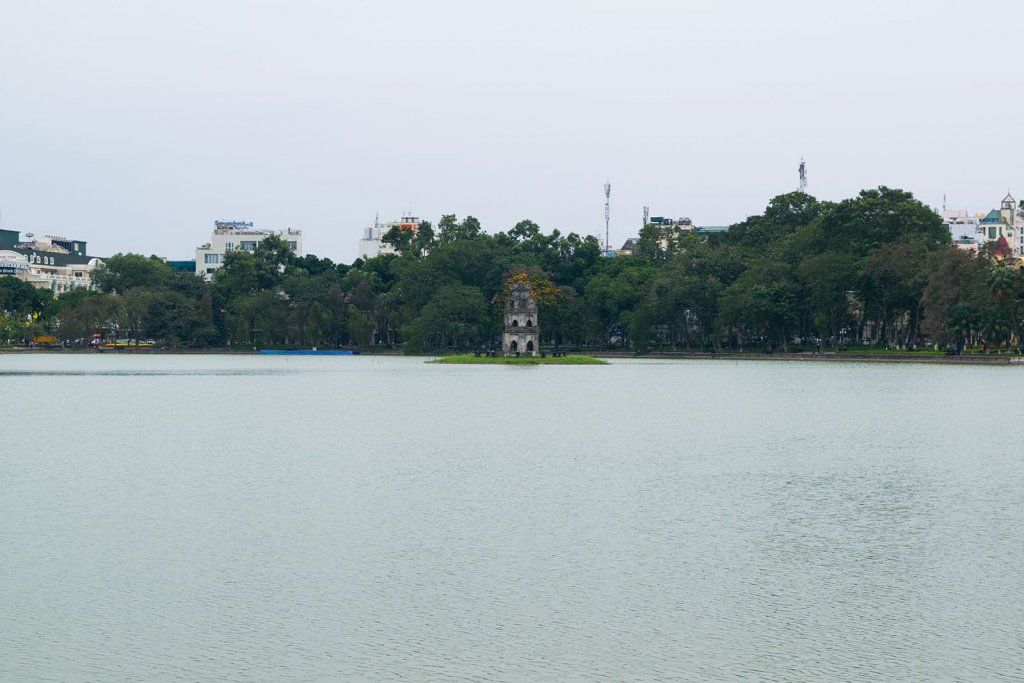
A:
(134, 125)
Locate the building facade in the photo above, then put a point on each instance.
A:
(1006, 222)
(231, 235)
(522, 332)
(50, 262)
(962, 227)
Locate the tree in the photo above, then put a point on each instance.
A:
(771, 309)
(963, 322)
(401, 240)
(130, 312)
(524, 231)
(954, 295)
(878, 217)
(122, 272)
(450, 230)
(893, 278)
(424, 240)
(20, 299)
(237, 276)
(828, 278)
(996, 326)
(654, 242)
(1005, 285)
(455, 317)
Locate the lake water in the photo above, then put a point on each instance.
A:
(187, 518)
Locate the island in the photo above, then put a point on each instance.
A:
(471, 359)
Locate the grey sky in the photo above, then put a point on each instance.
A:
(135, 124)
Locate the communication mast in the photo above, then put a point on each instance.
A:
(803, 175)
(647, 216)
(607, 215)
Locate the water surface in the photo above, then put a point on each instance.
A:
(183, 518)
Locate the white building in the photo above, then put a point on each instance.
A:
(963, 228)
(55, 263)
(370, 245)
(230, 235)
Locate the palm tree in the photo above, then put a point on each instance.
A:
(1004, 284)
(961, 325)
(996, 327)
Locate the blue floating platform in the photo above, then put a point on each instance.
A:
(306, 352)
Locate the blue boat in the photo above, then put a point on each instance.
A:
(306, 352)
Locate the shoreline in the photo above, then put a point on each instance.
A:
(654, 355)
(821, 357)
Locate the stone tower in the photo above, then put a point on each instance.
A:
(522, 334)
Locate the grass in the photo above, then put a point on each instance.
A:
(882, 351)
(469, 359)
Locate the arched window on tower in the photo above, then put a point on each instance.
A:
(529, 346)
(515, 323)
(529, 323)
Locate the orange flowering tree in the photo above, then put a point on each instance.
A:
(543, 290)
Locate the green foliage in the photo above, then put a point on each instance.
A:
(806, 273)
(20, 299)
(451, 230)
(457, 316)
(878, 217)
(122, 272)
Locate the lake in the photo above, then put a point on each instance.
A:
(240, 518)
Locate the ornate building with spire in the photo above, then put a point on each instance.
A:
(1005, 222)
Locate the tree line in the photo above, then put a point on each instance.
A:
(803, 274)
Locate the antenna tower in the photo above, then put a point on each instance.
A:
(647, 216)
(607, 215)
(803, 175)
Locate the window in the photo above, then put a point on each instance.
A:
(247, 245)
(529, 323)
(515, 323)
(229, 246)
(209, 270)
(211, 258)
(294, 246)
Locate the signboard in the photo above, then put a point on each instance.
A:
(11, 262)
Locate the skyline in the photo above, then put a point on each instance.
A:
(136, 127)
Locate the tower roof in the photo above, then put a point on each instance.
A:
(1002, 249)
(992, 217)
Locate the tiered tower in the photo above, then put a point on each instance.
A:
(522, 333)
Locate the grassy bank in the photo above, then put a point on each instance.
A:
(469, 359)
